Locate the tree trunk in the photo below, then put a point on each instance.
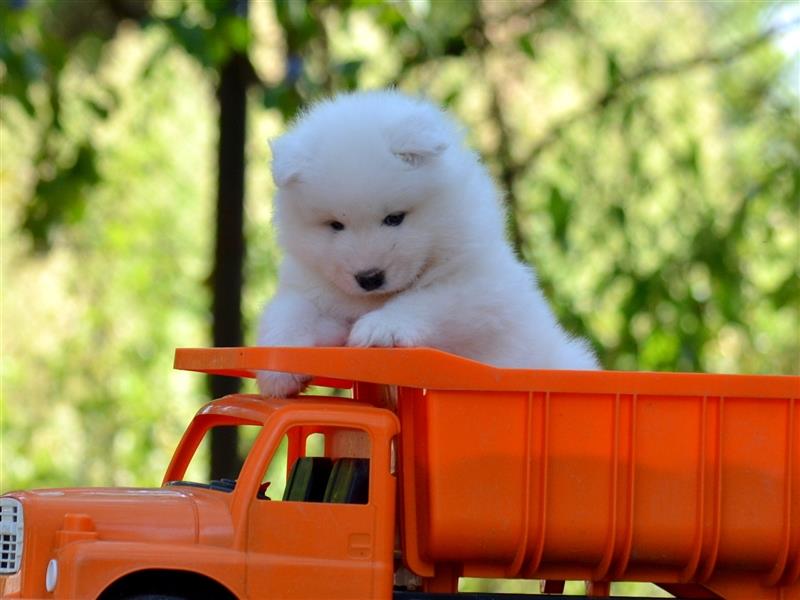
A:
(229, 252)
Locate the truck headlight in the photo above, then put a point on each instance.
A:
(11, 534)
(51, 576)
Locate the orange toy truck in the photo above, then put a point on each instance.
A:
(436, 468)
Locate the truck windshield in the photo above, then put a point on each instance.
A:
(198, 472)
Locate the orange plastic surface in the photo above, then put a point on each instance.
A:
(686, 480)
(690, 481)
(433, 369)
(576, 485)
(254, 548)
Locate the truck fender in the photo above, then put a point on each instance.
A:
(94, 569)
(188, 585)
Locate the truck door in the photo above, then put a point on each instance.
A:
(311, 528)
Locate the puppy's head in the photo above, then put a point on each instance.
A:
(362, 181)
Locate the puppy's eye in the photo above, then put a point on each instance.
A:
(394, 219)
(336, 225)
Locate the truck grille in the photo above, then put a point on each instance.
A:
(10, 535)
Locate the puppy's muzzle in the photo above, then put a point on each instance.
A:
(370, 280)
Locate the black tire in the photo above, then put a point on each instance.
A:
(162, 584)
(156, 597)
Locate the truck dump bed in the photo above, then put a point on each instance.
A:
(663, 477)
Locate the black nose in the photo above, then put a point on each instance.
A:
(370, 280)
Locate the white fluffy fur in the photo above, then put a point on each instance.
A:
(452, 280)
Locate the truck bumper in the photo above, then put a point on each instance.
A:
(10, 586)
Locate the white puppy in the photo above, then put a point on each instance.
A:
(393, 235)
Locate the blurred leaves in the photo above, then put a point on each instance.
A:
(43, 40)
(559, 210)
(61, 199)
(211, 45)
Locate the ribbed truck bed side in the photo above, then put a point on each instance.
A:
(602, 486)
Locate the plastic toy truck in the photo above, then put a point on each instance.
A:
(436, 468)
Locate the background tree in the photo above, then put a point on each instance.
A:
(650, 151)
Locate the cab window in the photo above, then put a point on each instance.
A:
(197, 472)
(319, 464)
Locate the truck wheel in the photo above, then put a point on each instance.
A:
(156, 597)
(161, 584)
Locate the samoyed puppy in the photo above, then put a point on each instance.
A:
(393, 234)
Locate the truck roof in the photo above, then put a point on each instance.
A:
(258, 409)
(433, 369)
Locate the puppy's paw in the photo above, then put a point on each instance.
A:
(281, 385)
(385, 330)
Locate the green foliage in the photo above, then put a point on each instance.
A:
(61, 199)
(87, 347)
(651, 152)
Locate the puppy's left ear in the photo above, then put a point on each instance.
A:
(417, 139)
(287, 161)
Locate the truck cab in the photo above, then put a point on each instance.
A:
(310, 515)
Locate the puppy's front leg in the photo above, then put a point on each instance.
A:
(404, 322)
(292, 320)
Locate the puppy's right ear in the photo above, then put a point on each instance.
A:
(287, 161)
